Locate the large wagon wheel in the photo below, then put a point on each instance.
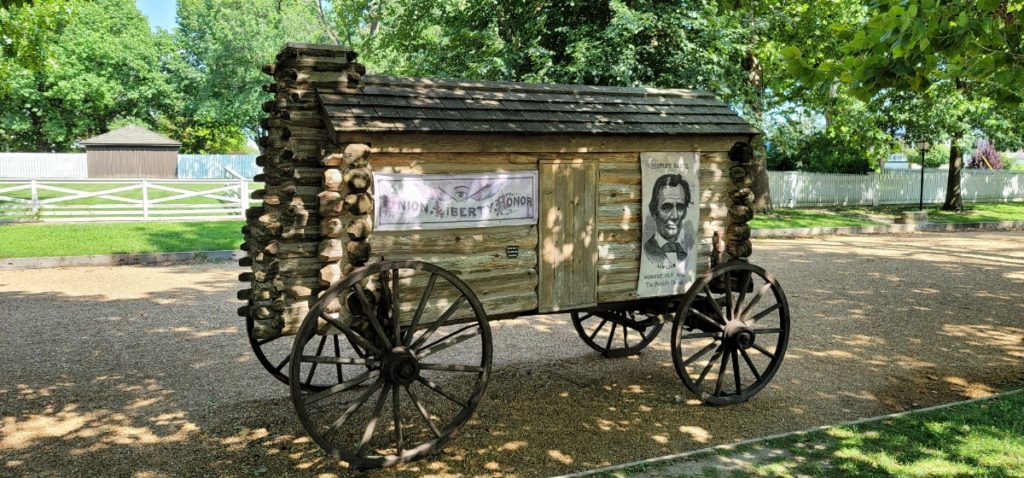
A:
(735, 312)
(427, 359)
(274, 353)
(617, 333)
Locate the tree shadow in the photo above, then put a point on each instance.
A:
(146, 370)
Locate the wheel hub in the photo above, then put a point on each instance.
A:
(739, 334)
(400, 366)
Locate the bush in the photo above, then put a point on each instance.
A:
(819, 152)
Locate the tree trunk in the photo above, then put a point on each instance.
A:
(759, 175)
(954, 198)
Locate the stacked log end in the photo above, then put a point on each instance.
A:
(286, 248)
(737, 235)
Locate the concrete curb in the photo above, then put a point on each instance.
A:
(732, 446)
(116, 259)
(885, 229)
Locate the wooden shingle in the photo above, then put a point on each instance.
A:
(391, 104)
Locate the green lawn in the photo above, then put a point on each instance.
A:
(41, 240)
(867, 216)
(977, 439)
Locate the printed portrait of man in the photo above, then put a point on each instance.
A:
(673, 237)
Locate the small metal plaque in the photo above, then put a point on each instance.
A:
(512, 252)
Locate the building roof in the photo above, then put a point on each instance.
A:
(394, 104)
(131, 135)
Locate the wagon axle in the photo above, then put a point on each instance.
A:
(400, 367)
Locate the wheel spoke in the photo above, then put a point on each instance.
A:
(283, 363)
(261, 342)
(748, 276)
(757, 297)
(707, 319)
(762, 314)
(437, 323)
(736, 370)
(355, 406)
(447, 342)
(398, 421)
(423, 412)
(701, 335)
(395, 303)
(351, 334)
(776, 330)
(337, 353)
(700, 354)
(707, 368)
(721, 374)
(728, 295)
(368, 312)
(762, 350)
(338, 388)
(437, 388)
(750, 363)
(608, 346)
(716, 307)
(371, 426)
(419, 309)
(312, 368)
(625, 337)
(449, 367)
(314, 359)
(598, 329)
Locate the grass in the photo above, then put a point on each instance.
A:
(42, 240)
(983, 438)
(861, 216)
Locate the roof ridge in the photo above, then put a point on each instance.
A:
(515, 86)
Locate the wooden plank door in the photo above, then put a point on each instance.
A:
(568, 235)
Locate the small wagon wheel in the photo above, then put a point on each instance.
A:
(730, 333)
(274, 353)
(427, 359)
(617, 333)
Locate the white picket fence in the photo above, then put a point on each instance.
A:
(801, 189)
(85, 200)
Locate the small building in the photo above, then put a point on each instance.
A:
(132, 152)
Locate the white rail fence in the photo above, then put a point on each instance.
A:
(801, 189)
(84, 200)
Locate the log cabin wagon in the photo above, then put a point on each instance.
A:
(400, 215)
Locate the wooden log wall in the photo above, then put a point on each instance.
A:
(308, 186)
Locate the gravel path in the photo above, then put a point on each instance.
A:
(145, 371)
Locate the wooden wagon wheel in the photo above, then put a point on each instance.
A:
(274, 353)
(735, 312)
(617, 333)
(427, 359)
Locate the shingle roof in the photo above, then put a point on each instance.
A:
(130, 135)
(392, 104)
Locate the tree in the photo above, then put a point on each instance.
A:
(971, 48)
(77, 68)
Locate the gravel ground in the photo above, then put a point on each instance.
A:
(145, 371)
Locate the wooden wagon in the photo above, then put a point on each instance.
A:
(400, 215)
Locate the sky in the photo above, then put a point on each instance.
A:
(160, 12)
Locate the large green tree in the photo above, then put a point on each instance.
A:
(971, 50)
(74, 69)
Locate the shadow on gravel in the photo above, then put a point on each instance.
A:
(162, 383)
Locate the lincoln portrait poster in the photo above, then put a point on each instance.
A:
(670, 214)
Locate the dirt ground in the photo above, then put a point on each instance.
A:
(146, 372)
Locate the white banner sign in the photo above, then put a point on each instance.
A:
(670, 213)
(450, 201)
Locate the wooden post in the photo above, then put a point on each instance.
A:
(35, 197)
(243, 196)
(145, 199)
